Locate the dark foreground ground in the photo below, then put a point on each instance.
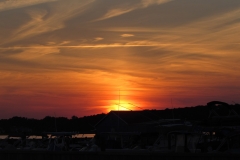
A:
(133, 155)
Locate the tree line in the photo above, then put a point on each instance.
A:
(87, 124)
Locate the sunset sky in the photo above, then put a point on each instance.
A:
(83, 57)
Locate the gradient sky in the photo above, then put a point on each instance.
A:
(75, 57)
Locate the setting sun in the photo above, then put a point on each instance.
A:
(121, 106)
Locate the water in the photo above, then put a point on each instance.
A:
(3, 136)
(83, 135)
(40, 137)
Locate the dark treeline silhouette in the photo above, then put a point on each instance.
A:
(86, 124)
(49, 124)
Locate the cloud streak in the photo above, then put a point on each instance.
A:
(14, 4)
(127, 35)
(130, 7)
(43, 21)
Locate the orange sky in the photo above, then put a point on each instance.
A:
(74, 57)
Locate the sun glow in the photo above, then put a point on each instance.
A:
(124, 105)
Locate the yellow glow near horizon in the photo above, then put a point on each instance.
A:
(124, 105)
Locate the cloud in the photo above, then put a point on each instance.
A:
(42, 20)
(127, 35)
(146, 3)
(13, 4)
(65, 42)
(136, 29)
(213, 33)
(130, 7)
(98, 39)
(34, 52)
(115, 12)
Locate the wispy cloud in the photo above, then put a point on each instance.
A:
(42, 21)
(34, 52)
(130, 7)
(127, 35)
(115, 12)
(65, 42)
(13, 4)
(98, 39)
(146, 3)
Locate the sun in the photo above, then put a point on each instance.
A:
(121, 97)
(124, 105)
